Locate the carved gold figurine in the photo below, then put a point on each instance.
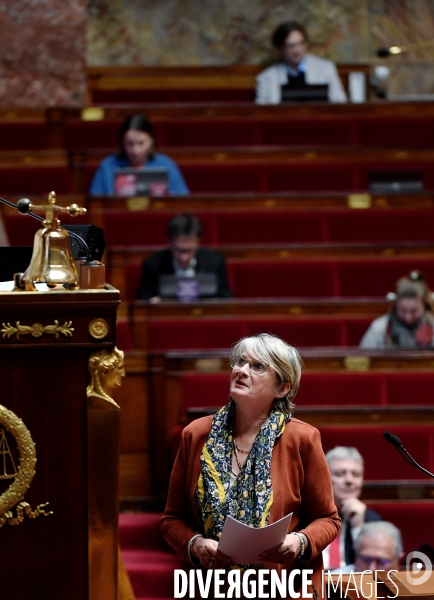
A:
(106, 370)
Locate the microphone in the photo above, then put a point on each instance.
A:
(395, 441)
(24, 206)
(393, 50)
(392, 439)
(383, 52)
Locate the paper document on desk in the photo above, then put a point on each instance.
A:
(244, 544)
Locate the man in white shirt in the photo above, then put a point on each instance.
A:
(346, 469)
(296, 65)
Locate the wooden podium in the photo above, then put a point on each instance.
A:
(45, 342)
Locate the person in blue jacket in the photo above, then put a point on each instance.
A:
(136, 149)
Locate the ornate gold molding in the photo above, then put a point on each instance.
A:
(36, 330)
(24, 475)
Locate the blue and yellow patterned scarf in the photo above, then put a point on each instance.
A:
(251, 496)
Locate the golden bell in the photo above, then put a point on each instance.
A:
(52, 261)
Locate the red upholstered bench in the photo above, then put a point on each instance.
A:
(382, 461)
(413, 519)
(377, 277)
(21, 229)
(368, 388)
(24, 135)
(90, 134)
(149, 228)
(276, 226)
(271, 227)
(124, 336)
(210, 332)
(204, 390)
(311, 279)
(341, 389)
(38, 180)
(380, 225)
(410, 388)
(395, 132)
(133, 275)
(306, 331)
(316, 278)
(320, 389)
(282, 279)
(189, 334)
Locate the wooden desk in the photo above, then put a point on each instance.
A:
(98, 205)
(274, 155)
(71, 554)
(198, 77)
(315, 359)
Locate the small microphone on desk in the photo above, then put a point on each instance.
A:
(395, 441)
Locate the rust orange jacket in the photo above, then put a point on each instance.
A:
(301, 484)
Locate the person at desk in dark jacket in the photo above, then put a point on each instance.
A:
(183, 258)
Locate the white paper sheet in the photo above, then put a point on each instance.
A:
(8, 286)
(244, 544)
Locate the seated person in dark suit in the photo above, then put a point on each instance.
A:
(346, 469)
(183, 258)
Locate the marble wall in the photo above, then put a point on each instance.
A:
(221, 32)
(42, 52)
(45, 45)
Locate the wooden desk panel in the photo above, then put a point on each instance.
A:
(197, 77)
(244, 110)
(251, 155)
(98, 205)
(315, 359)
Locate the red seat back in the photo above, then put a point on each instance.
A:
(413, 519)
(382, 461)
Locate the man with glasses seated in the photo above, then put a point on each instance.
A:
(184, 258)
(296, 67)
(378, 548)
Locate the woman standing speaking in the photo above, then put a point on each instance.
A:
(256, 463)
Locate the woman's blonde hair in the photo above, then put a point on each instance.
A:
(282, 358)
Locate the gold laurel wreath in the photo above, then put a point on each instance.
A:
(26, 471)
